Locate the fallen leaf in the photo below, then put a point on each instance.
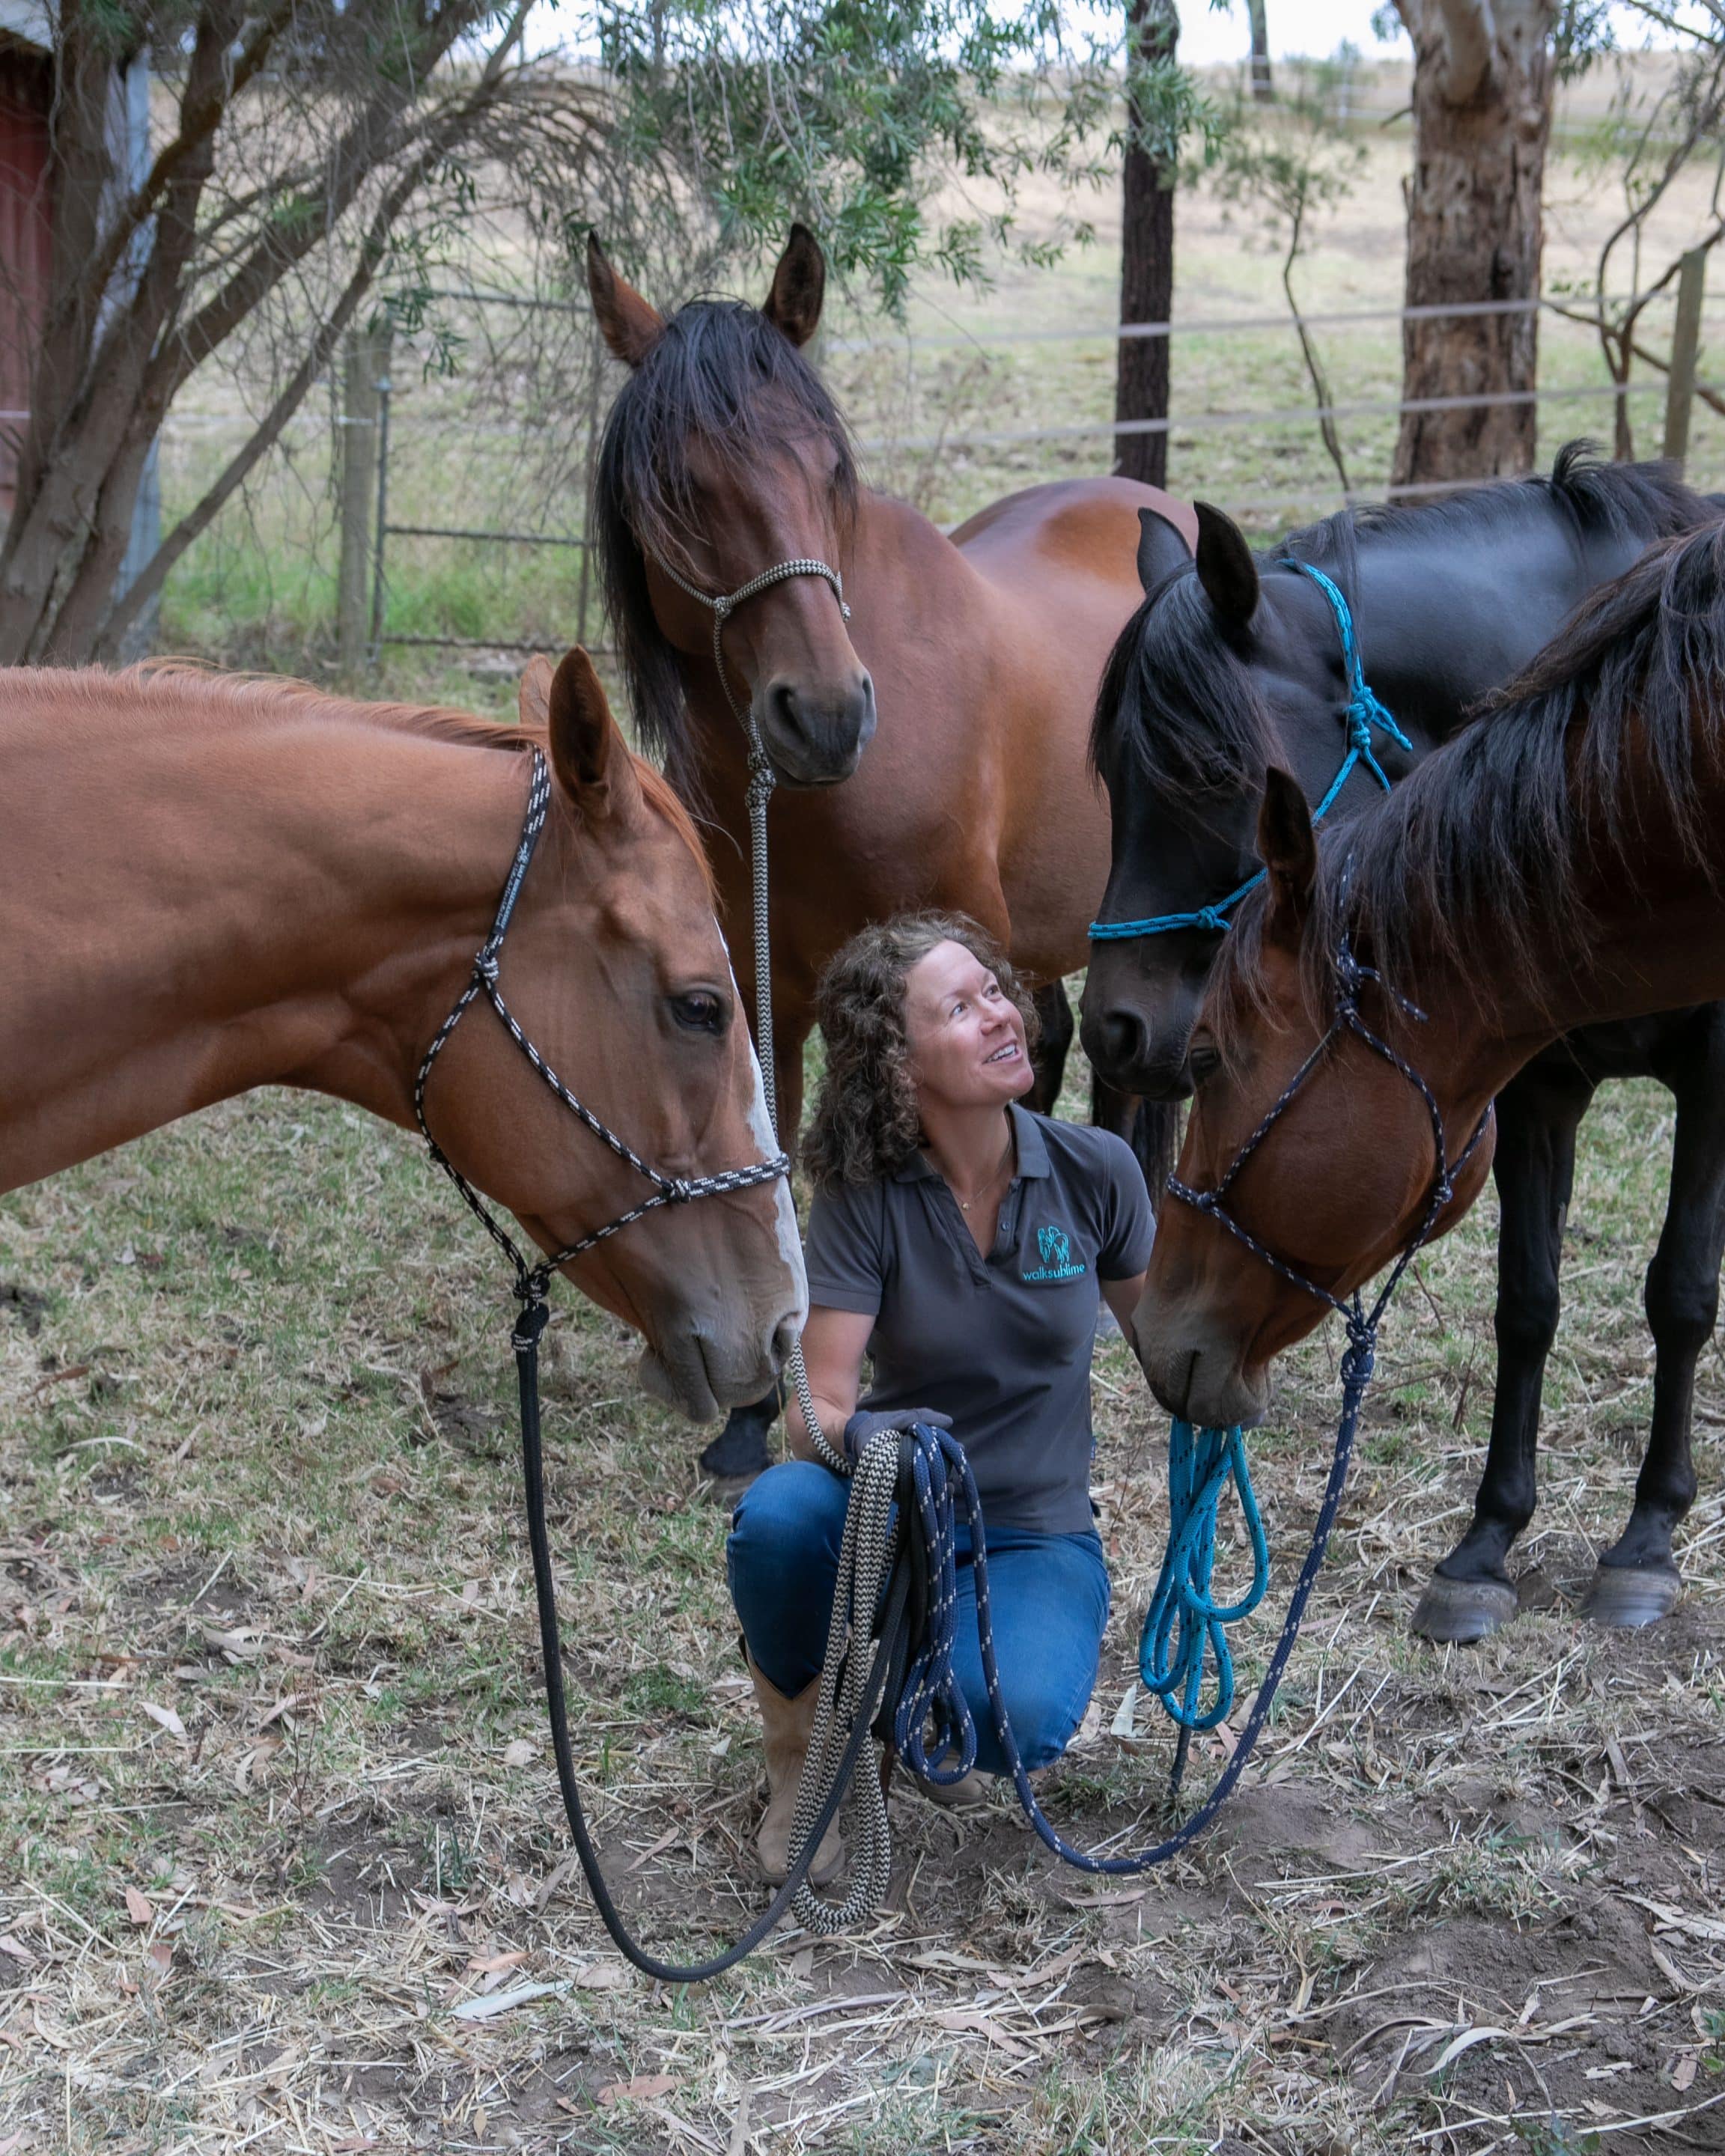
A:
(17, 1949)
(521, 1753)
(139, 1906)
(500, 2002)
(645, 2088)
(492, 1963)
(1123, 1723)
(281, 1707)
(1683, 2073)
(162, 1954)
(166, 1716)
(602, 1976)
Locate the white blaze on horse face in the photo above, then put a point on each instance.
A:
(790, 1243)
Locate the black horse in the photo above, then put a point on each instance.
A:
(1234, 663)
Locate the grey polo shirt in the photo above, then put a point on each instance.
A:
(1001, 1343)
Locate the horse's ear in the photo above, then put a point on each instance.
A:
(589, 756)
(1162, 549)
(533, 697)
(627, 324)
(799, 284)
(1226, 569)
(1287, 846)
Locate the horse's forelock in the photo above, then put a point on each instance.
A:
(1178, 712)
(722, 372)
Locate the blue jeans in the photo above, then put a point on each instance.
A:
(1048, 1595)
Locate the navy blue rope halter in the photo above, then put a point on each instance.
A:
(1364, 711)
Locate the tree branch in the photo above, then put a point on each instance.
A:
(1469, 33)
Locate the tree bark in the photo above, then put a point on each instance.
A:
(1262, 91)
(1482, 106)
(1147, 257)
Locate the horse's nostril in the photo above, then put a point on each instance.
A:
(784, 1338)
(782, 704)
(1126, 1039)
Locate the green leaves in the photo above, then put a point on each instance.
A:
(850, 114)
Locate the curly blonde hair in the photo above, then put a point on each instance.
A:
(866, 1122)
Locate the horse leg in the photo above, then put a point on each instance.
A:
(1636, 1581)
(740, 1452)
(1055, 1012)
(1470, 1594)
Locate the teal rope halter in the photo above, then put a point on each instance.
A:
(1363, 712)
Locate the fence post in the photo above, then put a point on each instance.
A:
(366, 360)
(1686, 347)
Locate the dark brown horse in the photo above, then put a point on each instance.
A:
(208, 884)
(1560, 864)
(967, 670)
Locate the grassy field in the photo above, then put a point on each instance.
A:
(503, 443)
(282, 1826)
(282, 1866)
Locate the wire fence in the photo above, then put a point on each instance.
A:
(508, 445)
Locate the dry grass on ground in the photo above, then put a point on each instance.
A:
(281, 1864)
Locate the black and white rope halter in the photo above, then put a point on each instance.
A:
(533, 1279)
(724, 604)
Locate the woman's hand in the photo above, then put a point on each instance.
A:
(834, 1344)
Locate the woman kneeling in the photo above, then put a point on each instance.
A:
(964, 1244)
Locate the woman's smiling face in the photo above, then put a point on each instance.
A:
(966, 1037)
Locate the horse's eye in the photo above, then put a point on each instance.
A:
(699, 1011)
(1203, 1060)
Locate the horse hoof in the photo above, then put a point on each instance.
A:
(1458, 1611)
(1627, 1596)
(738, 1454)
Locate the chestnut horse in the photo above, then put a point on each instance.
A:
(967, 667)
(1558, 865)
(211, 884)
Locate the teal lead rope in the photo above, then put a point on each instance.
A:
(1183, 1622)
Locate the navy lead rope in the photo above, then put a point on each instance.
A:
(931, 1694)
(1363, 713)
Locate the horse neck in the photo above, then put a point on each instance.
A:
(1651, 939)
(295, 900)
(1513, 583)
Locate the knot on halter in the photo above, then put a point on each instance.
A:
(679, 1190)
(484, 966)
(1212, 918)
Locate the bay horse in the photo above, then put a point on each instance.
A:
(1234, 664)
(210, 884)
(967, 667)
(1559, 865)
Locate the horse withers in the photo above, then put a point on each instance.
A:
(1559, 865)
(930, 748)
(211, 884)
(1237, 663)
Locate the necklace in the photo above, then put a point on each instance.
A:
(966, 1204)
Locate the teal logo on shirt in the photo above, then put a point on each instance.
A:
(1056, 1251)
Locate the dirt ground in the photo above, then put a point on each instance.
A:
(282, 1867)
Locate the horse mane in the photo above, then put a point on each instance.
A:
(217, 691)
(1484, 848)
(720, 370)
(1179, 711)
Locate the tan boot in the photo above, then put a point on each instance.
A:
(964, 1795)
(787, 1725)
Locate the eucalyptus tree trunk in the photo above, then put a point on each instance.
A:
(1147, 253)
(1482, 107)
(1262, 91)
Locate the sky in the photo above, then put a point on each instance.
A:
(1313, 27)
